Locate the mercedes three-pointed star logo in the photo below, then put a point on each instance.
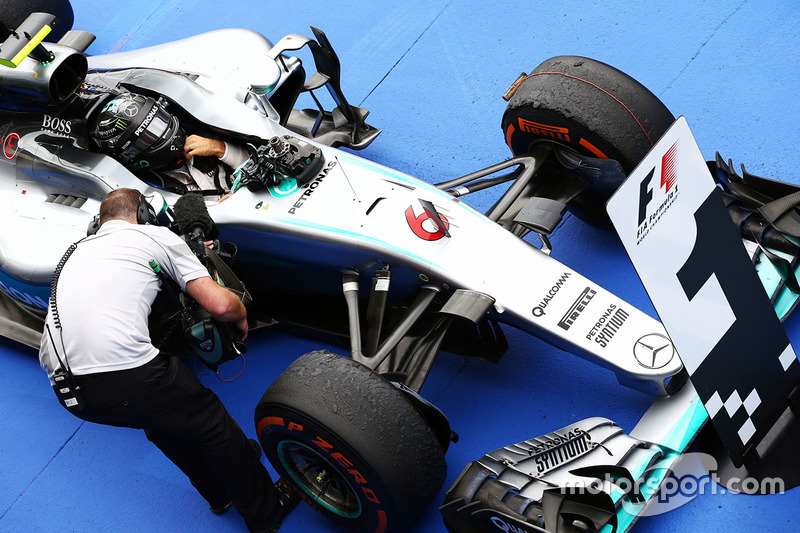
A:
(653, 351)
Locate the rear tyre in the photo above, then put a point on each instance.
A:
(354, 445)
(588, 107)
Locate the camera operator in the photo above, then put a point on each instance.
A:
(98, 355)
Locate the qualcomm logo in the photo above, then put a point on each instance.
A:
(653, 351)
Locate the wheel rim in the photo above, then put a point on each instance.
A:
(319, 479)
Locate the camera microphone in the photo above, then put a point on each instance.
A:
(193, 219)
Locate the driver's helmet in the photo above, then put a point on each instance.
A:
(139, 132)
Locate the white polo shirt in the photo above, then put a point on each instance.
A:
(104, 295)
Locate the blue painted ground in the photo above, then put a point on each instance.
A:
(432, 73)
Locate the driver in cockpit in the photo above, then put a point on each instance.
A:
(141, 134)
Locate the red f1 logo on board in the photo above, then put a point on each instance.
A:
(425, 227)
(669, 166)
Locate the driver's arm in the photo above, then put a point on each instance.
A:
(232, 155)
(223, 304)
(197, 145)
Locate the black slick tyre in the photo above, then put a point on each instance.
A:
(589, 107)
(354, 445)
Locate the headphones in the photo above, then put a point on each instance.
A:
(145, 214)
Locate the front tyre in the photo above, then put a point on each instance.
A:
(352, 443)
(588, 107)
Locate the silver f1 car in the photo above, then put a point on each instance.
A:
(404, 269)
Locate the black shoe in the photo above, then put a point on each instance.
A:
(287, 500)
(219, 509)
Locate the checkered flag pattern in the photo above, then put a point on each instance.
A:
(737, 407)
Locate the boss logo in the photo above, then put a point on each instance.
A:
(56, 124)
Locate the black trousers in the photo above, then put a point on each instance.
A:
(190, 426)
